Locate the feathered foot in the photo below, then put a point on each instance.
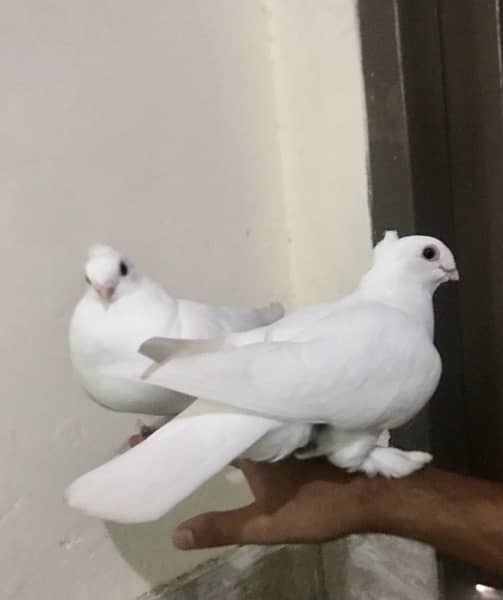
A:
(392, 462)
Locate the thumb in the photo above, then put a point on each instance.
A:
(241, 526)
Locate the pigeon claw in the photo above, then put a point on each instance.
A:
(138, 438)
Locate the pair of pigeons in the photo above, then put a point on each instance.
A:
(326, 380)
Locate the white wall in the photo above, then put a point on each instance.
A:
(150, 126)
(153, 126)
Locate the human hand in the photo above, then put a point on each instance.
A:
(295, 501)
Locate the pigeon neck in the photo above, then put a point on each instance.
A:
(409, 296)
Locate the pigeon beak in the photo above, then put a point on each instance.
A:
(452, 274)
(106, 292)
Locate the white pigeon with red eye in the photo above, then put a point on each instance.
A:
(120, 309)
(359, 366)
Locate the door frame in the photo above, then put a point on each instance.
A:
(418, 148)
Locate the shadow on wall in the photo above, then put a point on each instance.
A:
(147, 547)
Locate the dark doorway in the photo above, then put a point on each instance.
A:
(433, 76)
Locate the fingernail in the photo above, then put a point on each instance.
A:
(184, 539)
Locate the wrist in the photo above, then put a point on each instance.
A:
(373, 505)
(401, 506)
(365, 506)
(390, 506)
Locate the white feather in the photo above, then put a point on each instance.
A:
(366, 366)
(150, 479)
(360, 366)
(103, 333)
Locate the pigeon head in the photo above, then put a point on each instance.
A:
(108, 273)
(424, 259)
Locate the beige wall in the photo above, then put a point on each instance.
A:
(154, 126)
(318, 81)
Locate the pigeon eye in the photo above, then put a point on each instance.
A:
(88, 281)
(123, 269)
(430, 253)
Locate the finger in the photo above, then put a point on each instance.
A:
(241, 526)
(256, 476)
(245, 465)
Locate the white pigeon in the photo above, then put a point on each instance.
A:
(360, 366)
(120, 309)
